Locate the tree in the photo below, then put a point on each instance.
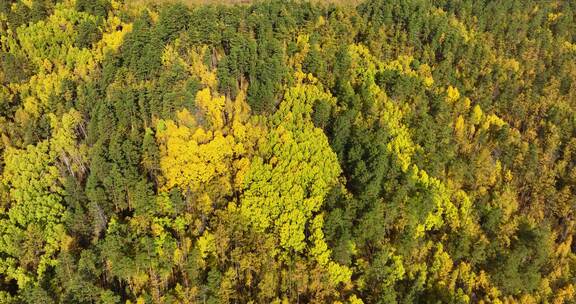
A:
(32, 228)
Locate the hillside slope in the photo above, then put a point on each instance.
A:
(401, 151)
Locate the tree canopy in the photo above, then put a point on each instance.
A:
(384, 151)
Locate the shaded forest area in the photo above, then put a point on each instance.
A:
(396, 151)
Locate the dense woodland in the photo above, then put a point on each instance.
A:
(394, 151)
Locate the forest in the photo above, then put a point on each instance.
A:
(287, 151)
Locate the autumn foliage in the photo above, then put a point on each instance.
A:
(287, 152)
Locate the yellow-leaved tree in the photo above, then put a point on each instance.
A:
(33, 222)
(206, 154)
(291, 175)
(275, 172)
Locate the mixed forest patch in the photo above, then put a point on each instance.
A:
(393, 151)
